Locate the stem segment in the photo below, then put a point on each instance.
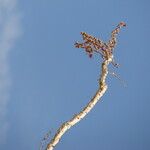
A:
(78, 117)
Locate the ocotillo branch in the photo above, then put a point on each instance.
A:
(91, 45)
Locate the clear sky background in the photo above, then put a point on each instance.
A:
(44, 80)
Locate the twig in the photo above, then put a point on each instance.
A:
(119, 78)
(100, 92)
(91, 45)
(44, 141)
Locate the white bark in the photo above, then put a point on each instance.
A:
(100, 92)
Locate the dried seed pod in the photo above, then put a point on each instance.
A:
(92, 44)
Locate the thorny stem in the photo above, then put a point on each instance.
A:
(78, 117)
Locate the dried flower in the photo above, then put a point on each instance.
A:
(92, 44)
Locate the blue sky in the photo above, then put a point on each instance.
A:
(44, 80)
